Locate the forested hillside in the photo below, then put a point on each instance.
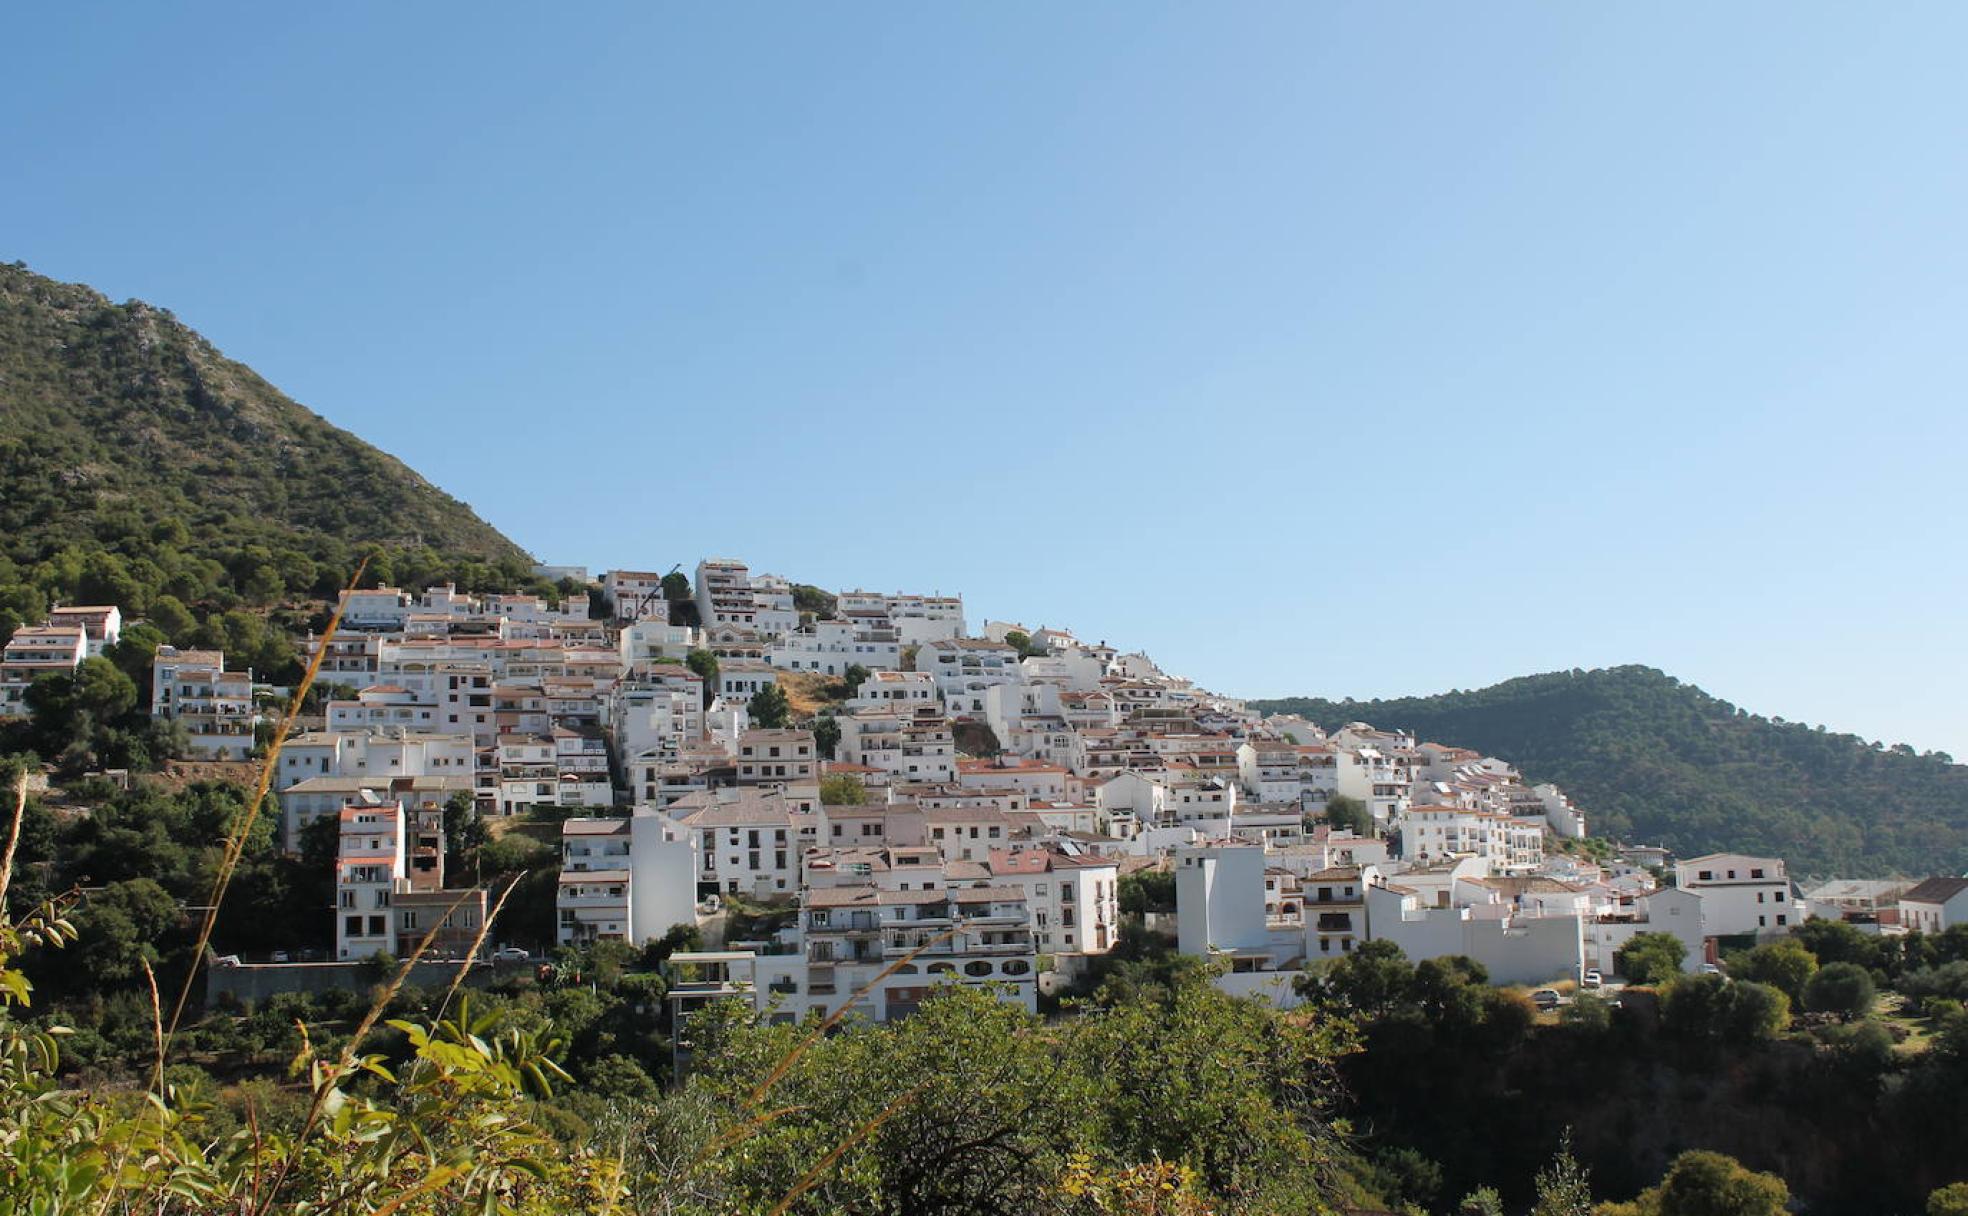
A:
(140, 467)
(1653, 759)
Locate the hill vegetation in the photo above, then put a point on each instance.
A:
(1652, 759)
(140, 466)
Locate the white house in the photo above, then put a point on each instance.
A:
(831, 647)
(1072, 899)
(35, 651)
(1935, 905)
(895, 690)
(748, 837)
(635, 595)
(629, 879)
(1665, 910)
(964, 667)
(724, 594)
(101, 624)
(1740, 893)
(215, 705)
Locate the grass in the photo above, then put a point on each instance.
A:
(809, 692)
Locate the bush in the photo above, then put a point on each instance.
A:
(1844, 989)
(1651, 958)
(1786, 966)
(1715, 1009)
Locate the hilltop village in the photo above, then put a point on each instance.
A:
(918, 801)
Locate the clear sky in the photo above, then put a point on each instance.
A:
(1336, 349)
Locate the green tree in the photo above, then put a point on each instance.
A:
(1715, 1009)
(1712, 1184)
(1834, 941)
(1786, 966)
(465, 834)
(1374, 980)
(705, 664)
(619, 1077)
(170, 615)
(1564, 1188)
(1146, 891)
(843, 789)
(768, 708)
(122, 928)
(826, 736)
(1650, 958)
(676, 586)
(1950, 1200)
(1844, 989)
(854, 677)
(1349, 814)
(1483, 1201)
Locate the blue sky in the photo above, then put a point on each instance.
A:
(1338, 349)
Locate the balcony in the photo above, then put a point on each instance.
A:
(570, 899)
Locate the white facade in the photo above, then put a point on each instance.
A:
(1740, 893)
(895, 690)
(831, 647)
(629, 879)
(964, 667)
(1072, 900)
(1935, 905)
(215, 705)
(35, 651)
(1667, 910)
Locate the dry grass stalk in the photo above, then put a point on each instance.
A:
(13, 836)
(834, 1019)
(809, 1179)
(236, 843)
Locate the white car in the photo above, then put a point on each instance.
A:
(1547, 999)
(1593, 980)
(510, 954)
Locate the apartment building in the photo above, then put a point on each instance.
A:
(628, 879)
(1072, 899)
(390, 895)
(35, 651)
(215, 705)
(964, 667)
(906, 744)
(1740, 894)
(749, 839)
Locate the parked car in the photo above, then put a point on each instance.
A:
(710, 905)
(226, 960)
(510, 954)
(1593, 980)
(1711, 969)
(1547, 999)
(281, 956)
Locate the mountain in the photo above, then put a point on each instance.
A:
(117, 418)
(1651, 759)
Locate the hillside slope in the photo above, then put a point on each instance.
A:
(117, 413)
(1652, 759)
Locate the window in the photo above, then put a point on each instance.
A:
(352, 926)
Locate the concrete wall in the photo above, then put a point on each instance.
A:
(1273, 987)
(254, 982)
